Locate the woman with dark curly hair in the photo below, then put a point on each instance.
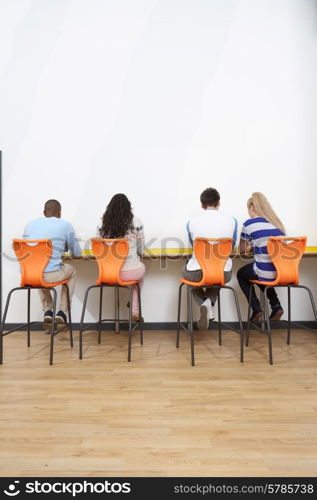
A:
(118, 221)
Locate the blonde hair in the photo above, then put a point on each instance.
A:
(263, 209)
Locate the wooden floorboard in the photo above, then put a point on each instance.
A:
(158, 415)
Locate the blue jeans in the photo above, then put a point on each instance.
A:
(244, 275)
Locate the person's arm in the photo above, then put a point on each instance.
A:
(25, 234)
(140, 238)
(72, 244)
(235, 233)
(245, 241)
(190, 236)
(244, 247)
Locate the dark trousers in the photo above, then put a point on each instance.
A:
(203, 293)
(244, 275)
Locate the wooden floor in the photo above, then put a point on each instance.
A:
(158, 416)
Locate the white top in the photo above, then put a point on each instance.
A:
(135, 238)
(136, 246)
(210, 223)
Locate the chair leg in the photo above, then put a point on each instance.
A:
(188, 315)
(312, 301)
(248, 317)
(269, 331)
(191, 328)
(53, 326)
(240, 322)
(219, 320)
(3, 323)
(140, 313)
(29, 315)
(130, 325)
(289, 314)
(263, 319)
(116, 308)
(100, 314)
(70, 325)
(179, 312)
(82, 322)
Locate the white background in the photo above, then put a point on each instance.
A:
(157, 99)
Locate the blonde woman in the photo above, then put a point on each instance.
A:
(262, 224)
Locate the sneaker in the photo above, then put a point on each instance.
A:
(137, 319)
(203, 322)
(256, 316)
(60, 318)
(276, 313)
(210, 312)
(48, 318)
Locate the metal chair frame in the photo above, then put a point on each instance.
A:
(266, 319)
(188, 328)
(116, 320)
(53, 331)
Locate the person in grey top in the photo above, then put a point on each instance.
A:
(118, 221)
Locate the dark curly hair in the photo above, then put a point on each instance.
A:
(117, 219)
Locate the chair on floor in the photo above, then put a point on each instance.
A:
(211, 254)
(286, 253)
(33, 256)
(110, 255)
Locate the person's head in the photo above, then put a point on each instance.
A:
(52, 208)
(258, 206)
(210, 198)
(117, 219)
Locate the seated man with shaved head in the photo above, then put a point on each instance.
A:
(62, 235)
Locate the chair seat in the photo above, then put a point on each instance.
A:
(198, 283)
(49, 285)
(121, 283)
(265, 283)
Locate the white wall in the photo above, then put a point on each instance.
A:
(158, 99)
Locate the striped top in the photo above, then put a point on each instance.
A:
(257, 231)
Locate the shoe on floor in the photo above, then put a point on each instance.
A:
(48, 318)
(276, 314)
(210, 312)
(206, 313)
(60, 318)
(256, 316)
(137, 319)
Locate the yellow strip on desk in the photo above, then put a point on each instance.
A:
(182, 251)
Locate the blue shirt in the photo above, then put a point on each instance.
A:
(60, 232)
(257, 231)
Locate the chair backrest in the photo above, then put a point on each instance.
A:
(110, 255)
(286, 253)
(212, 254)
(33, 256)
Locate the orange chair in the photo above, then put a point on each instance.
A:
(110, 255)
(211, 254)
(286, 253)
(33, 256)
